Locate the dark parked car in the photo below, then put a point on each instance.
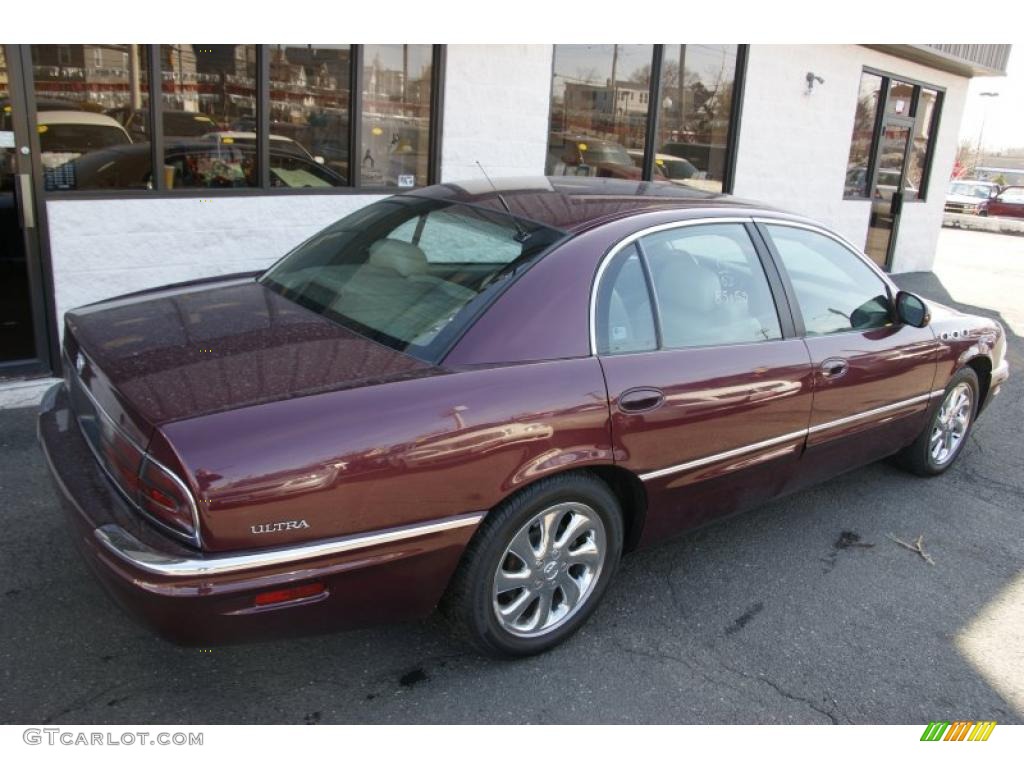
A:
(435, 400)
(1009, 202)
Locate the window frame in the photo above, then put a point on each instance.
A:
(653, 116)
(263, 188)
(762, 224)
(914, 121)
(776, 285)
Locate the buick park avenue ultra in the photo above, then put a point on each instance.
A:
(480, 400)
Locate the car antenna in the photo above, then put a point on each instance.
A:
(521, 234)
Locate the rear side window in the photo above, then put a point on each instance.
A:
(625, 322)
(710, 287)
(835, 289)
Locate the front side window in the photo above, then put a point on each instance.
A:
(710, 287)
(409, 272)
(836, 291)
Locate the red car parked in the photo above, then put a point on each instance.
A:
(438, 399)
(1009, 202)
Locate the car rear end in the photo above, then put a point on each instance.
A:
(136, 514)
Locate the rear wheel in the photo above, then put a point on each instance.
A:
(943, 439)
(538, 566)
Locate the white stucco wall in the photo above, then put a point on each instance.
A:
(102, 248)
(794, 146)
(496, 103)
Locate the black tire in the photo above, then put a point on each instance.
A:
(470, 603)
(917, 457)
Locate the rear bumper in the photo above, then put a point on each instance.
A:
(189, 597)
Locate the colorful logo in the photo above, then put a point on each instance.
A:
(959, 730)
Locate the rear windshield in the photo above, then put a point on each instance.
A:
(409, 272)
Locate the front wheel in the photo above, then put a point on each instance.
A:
(943, 439)
(538, 566)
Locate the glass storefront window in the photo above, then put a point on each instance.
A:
(916, 176)
(863, 135)
(695, 104)
(599, 110)
(397, 83)
(86, 96)
(309, 120)
(209, 115)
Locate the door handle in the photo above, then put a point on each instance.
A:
(28, 214)
(834, 367)
(896, 208)
(641, 399)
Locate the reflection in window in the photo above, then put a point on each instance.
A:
(696, 109)
(835, 290)
(85, 96)
(710, 287)
(599, 103)
(919, 148)
(898, 102)
(309, 93)
(395, 146)
(863, 134)
(625, 320)
(209, 102)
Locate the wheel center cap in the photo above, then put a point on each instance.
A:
(550, 570)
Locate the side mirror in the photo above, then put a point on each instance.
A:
(911, 310)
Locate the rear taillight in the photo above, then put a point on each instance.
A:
(163, 496)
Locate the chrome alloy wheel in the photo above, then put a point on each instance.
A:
(950, 427)
(549, 569)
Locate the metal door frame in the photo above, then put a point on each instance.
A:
(34, 236)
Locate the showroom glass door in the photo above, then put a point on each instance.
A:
(887, 190)
(23, 345)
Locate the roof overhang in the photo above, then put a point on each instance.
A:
(960, 59)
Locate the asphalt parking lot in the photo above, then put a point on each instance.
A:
(804, 611)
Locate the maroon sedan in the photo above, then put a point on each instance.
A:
(482, 400)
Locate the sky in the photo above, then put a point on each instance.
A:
(1003, 115)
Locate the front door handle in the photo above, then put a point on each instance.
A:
(834, 367)
(641, 399)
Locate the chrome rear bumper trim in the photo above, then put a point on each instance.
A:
(126, 547)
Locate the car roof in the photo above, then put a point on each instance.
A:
(575, 203)
(75, 117)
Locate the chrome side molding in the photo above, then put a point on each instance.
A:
(803, 433)
(120, 543)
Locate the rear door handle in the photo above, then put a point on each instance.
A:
(28, 214)
(834, 367)
(641, 399)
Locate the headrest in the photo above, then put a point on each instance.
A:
(687, 286)
(402, 257)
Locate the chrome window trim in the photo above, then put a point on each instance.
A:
(629, 240)
(196, 538)
(126, 547)
(696, 463)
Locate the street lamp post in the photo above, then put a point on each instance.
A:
(981, 133)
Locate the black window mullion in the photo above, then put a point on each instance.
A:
(263, 116)
(156, 117)
(933, 134)
(653, 114)
(876, 138)
(355, 111)
(436, 110)
(735, 116)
